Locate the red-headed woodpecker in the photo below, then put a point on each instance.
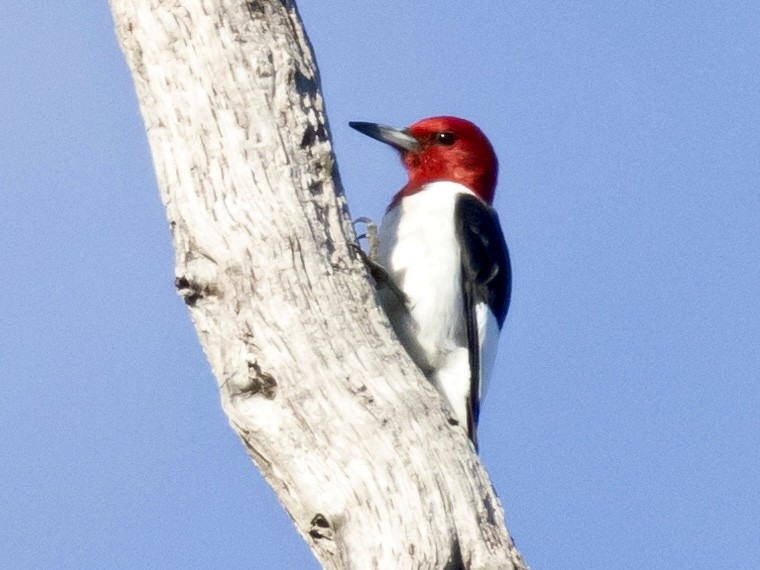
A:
(443, 249)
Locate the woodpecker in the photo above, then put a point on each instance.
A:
(443, 252)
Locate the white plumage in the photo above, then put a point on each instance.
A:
(421, 252)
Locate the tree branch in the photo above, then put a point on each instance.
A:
(357, 445)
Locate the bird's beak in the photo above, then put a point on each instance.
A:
(397, 138)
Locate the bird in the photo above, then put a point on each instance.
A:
(442, 265)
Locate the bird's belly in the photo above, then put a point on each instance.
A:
(419, 248)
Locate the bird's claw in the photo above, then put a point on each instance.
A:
(371, 234)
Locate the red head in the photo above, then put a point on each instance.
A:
(441, 148)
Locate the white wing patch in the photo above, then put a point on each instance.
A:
(488, 334)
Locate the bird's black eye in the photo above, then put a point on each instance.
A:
(445, 138)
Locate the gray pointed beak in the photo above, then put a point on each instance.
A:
(397, 138)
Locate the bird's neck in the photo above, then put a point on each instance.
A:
(412, 188)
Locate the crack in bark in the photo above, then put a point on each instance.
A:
(192, 291)
(260, 382)
(320, 528)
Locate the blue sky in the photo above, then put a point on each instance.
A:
(623, 424)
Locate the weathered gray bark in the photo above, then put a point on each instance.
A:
(356, 444)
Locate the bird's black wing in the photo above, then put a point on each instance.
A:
(486, 278)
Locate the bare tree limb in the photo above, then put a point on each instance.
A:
(357, 445)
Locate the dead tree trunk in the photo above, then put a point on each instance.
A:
(353, 440)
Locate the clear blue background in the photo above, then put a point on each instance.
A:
(623, 426)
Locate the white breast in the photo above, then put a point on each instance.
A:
(418, 246)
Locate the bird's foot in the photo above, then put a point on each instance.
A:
(370, 234)
(379, 273)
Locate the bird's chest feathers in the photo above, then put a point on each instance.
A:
(419, 247)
